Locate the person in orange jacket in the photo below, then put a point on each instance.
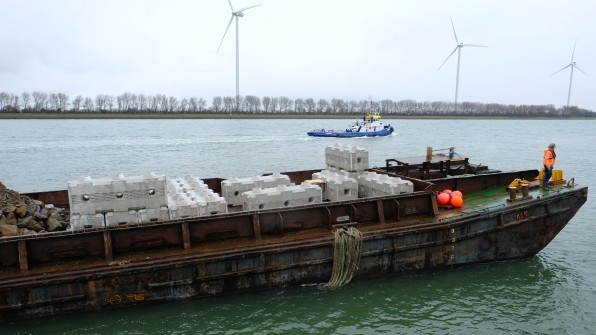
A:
(549, 158)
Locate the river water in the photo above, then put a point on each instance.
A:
(553, 292)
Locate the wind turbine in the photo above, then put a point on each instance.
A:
(236, 14)
(458, 48)
(572, 65)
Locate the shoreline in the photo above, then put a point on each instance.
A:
(91, 116)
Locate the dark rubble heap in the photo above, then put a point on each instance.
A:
(21, 215)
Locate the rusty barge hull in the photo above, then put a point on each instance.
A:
(130, 265)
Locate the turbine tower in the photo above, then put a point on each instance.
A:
(572, 65)
(235, 14)
(458, 48)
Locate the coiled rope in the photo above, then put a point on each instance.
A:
(346, 257)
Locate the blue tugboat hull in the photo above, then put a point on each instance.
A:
(348, 133)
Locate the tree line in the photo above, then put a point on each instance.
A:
(127, 102)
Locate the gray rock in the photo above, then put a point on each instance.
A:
(21, 210)
(24, 222)
(11, 219)
(54, 225)
(8, 209)
(56, 216)
(41, 216)
(33, 225)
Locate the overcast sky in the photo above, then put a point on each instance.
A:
(347, 49)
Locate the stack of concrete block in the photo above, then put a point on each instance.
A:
(372, 184)
(108, 201)
(346, 157)
(281, 196)
(191, 197)
(181, 206)
(339, 186)
(232, 189)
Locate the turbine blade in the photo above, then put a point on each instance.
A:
(577, 67)
(474, 45)
(224, 35)
(454, 34)
(573, 53)
(243, 9)
(562, 69)
(451, 54)
(232, 8)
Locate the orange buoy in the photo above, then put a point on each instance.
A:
(448, 191)
(456, 201)
(457, 193)
(443, 198)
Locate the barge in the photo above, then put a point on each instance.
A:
(125, 265)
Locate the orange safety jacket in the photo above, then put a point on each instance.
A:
(548, 160)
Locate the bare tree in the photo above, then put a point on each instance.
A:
(183, 106)
(217, 104)
(352, 107)
(110, 102)
(252, 103)
(133, 103)
(4, 100)
(104, 102)
(238, 101)
(310, 105)
(336, 105)
(154, 103)
(77, 103)
(62, 101)
(202, 104)
(274, 105)
(53, 102)
(163, 102)
(173, 104)
(14, 102)
(26, 98)
(229, 104)
(193, 104)
(125, 101)
(267, 104)
(100, 102)
(299, 106)
(284, 104)
(142, 102)
(88, 105)
(39, 100)
(323, 106)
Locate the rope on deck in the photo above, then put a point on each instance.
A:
(346, 257)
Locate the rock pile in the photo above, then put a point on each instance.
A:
(20, 215)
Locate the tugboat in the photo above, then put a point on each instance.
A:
(369, 126)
